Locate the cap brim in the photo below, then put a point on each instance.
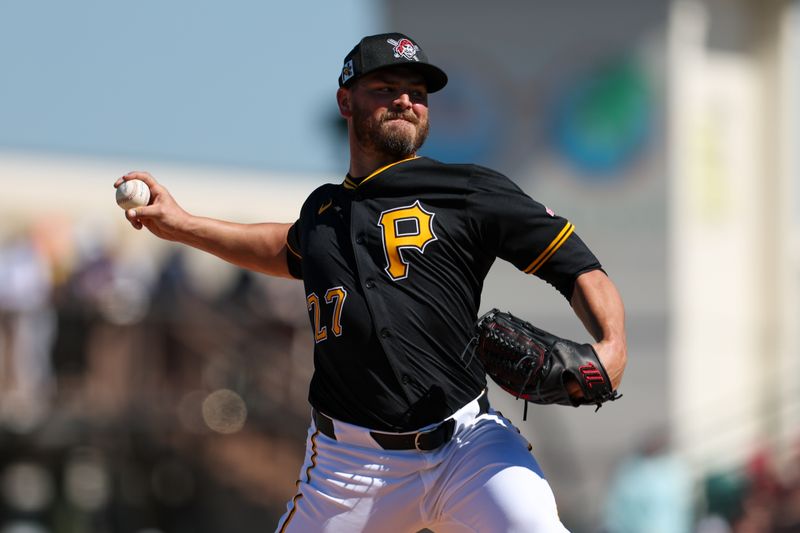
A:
(435, 78)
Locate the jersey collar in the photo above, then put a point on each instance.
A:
(351, 184)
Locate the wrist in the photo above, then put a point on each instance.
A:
(613, 355)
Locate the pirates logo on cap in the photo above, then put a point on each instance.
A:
(347, 71)
(404, 48)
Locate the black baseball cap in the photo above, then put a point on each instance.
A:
(389, 50)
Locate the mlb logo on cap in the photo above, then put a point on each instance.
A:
(387, 50)
(347, 71)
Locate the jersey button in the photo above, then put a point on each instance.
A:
(360, 239)
(385, 333)
(406, 379)
(370, 284)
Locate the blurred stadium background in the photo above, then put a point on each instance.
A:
(146, 388)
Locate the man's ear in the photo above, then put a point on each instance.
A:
(343, 98)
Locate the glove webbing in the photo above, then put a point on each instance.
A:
(473, 343)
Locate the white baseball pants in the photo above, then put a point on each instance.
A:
(484, 480)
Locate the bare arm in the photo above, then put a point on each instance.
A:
(598, 304)
(258, 247)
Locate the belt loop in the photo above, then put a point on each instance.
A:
(324, 424)
(483, 403)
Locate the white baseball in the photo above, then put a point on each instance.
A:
(133, 193)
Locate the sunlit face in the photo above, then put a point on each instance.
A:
(390, 112)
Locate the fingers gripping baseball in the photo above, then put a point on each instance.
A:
(162, 215)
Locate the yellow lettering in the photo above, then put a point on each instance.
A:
(404, 228)
(320, 331)
(338, 294)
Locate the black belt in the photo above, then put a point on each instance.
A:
(423, 440)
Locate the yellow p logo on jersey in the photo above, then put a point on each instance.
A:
(403, 228)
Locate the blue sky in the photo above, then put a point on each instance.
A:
(242, 82)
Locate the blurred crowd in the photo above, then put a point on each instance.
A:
(760, 496)
(654, 491)
(138, 395)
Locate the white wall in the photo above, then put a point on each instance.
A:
(731, 279)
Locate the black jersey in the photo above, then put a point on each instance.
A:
(393, 269)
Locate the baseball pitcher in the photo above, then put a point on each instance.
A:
(402, 435)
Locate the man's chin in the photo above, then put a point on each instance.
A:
(397, 138)
(401, 135)
(396, 148)
(400, 125)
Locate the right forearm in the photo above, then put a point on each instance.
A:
(259, 247)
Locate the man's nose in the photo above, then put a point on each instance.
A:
(403, 101)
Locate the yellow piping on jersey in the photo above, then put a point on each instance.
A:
(296, 254)
(350, 184)
(560, 239)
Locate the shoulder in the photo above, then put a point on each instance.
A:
(453, 169)
(320, 194)
(478, 174)
(469, 174)
(324, 190)
(488, 180)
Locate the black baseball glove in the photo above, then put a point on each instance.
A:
(536, 366)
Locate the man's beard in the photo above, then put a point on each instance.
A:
(396, 143)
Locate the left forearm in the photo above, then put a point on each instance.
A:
(598, 304)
